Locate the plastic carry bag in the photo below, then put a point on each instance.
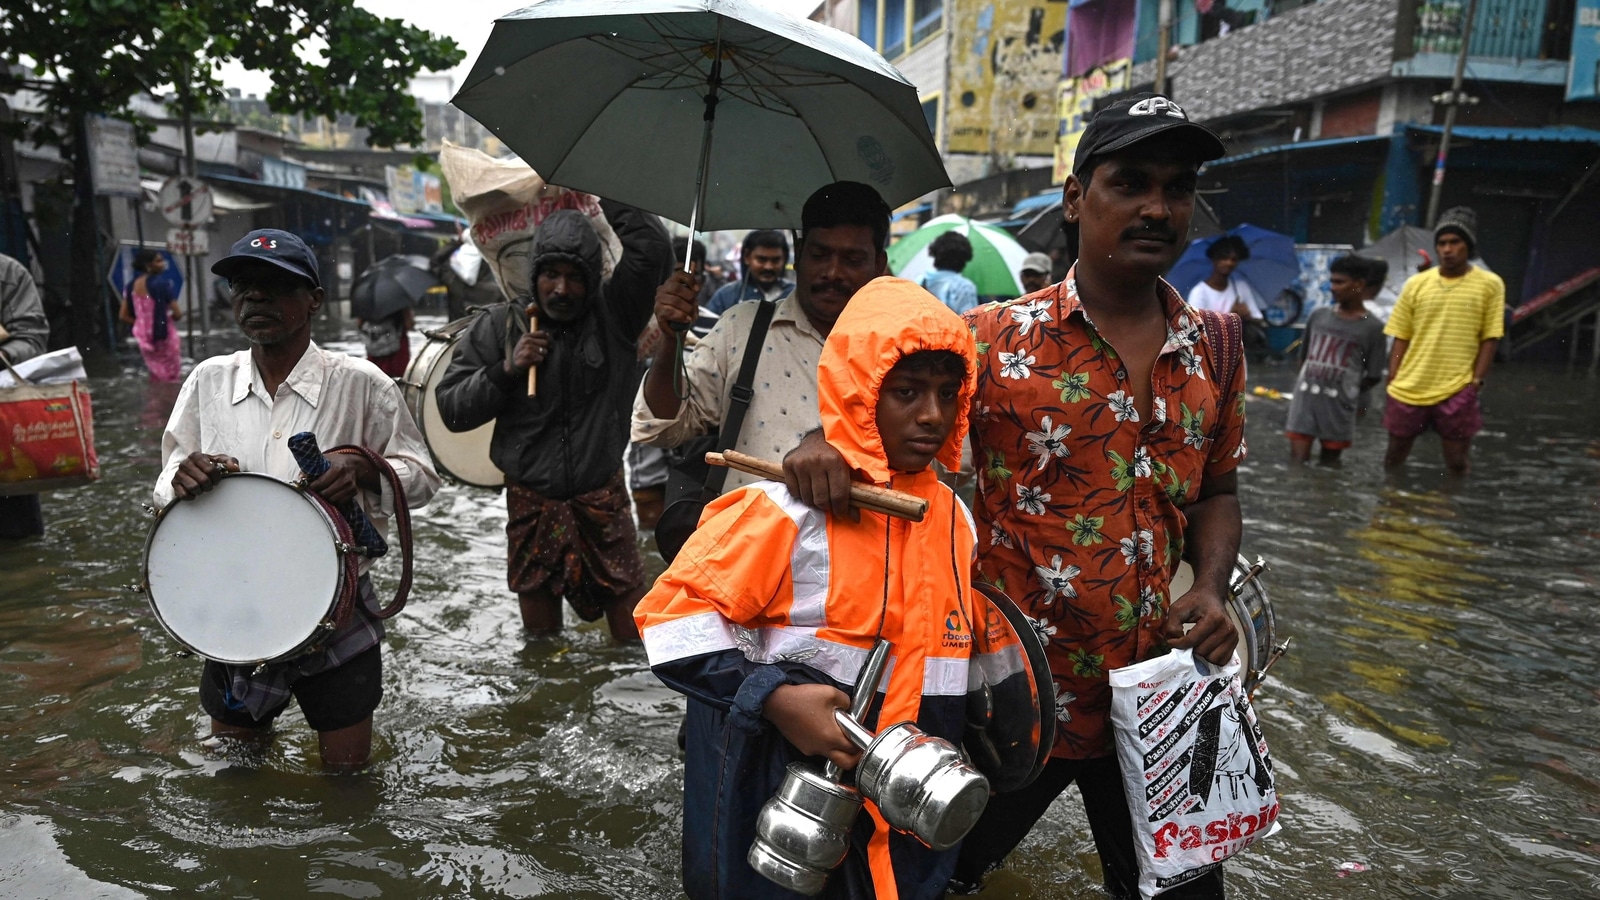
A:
(46, 438)
(1195, 767)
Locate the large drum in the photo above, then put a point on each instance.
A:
(1250, 609)
(464, 456)
(249, 572)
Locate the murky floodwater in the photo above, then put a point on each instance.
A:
(1436, 727)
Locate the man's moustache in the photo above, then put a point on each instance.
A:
(825, 286)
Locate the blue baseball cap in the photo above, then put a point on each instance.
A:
(272, 245)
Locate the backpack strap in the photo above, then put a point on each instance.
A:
(740, 395)
(1225, 334)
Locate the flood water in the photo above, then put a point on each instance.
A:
(1436, 726)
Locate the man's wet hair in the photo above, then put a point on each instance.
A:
(1228, 245)
(847, 203)
(764, 237)
(951, 251)
(1352, 266)
(942, 362)
(680, 244)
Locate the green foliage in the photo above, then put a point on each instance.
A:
(326, 57)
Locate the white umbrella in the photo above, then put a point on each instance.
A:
(619, 99)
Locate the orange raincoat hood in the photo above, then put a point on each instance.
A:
(887, 319)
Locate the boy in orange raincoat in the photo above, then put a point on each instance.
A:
(768, 612)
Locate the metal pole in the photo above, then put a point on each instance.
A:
(1450, 115)
(680, 374)
(1163, 44)
(184, 99)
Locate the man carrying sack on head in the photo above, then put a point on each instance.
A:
(238, 413)
(558, 379)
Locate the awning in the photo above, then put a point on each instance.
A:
(222, 199)
(276, 189)
(1028, 207)
(1563, 134)
(1298, 146)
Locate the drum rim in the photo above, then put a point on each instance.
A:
(150, 596)
(1039, 664)
(419, 388)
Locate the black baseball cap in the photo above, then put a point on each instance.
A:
(282, 249)
(1139, 118)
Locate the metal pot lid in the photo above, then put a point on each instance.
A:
(1011, 722)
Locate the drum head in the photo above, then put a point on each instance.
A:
(245, 572)
(463, 457)
(1011, 710)
(1250, 613)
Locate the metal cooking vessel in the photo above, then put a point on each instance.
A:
(920, 782)
(803, 832)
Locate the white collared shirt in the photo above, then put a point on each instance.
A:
(784, 407)
(224, 409)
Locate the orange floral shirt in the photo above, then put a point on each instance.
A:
(1080, 504)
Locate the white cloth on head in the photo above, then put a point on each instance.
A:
(224, 409)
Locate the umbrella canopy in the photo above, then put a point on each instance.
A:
(996, 266)
(1273, 264)
(392, 284)
(610, 98)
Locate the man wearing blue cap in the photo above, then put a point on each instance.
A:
(236, 413)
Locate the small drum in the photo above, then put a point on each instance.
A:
(1250, 609)
(250, 572)
(462, 457)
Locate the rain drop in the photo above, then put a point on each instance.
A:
(499, 70)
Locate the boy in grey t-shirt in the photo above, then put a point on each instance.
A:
(1344, 355)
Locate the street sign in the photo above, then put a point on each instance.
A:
(189, 241)
(113, 157)
(185, 201)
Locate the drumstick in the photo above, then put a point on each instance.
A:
(899, 504)
(533, 371)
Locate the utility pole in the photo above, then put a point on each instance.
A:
(1453, 103)
(1164, 44)
(186, 101)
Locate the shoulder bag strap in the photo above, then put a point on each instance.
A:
(1225, 333)
(402, 520)
(740, 395)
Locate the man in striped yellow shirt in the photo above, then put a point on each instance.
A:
(1445, 326)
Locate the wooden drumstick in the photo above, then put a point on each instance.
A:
(899, 504)
(533, 371)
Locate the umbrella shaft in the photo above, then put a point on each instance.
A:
(700, 184)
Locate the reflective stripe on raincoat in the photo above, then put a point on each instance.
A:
(769, 592)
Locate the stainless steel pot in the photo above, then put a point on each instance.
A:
(920, 782)
(803, 832)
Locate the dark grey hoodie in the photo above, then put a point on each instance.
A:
(569, 439)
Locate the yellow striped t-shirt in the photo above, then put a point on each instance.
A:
(1445, 319)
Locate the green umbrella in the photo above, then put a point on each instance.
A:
(996, 264)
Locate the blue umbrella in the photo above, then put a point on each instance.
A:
(1273, 264)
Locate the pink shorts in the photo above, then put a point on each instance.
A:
(1457, 418)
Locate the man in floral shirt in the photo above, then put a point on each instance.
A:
(1105, 439)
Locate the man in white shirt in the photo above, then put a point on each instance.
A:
(1221, 291)
(236, 413)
